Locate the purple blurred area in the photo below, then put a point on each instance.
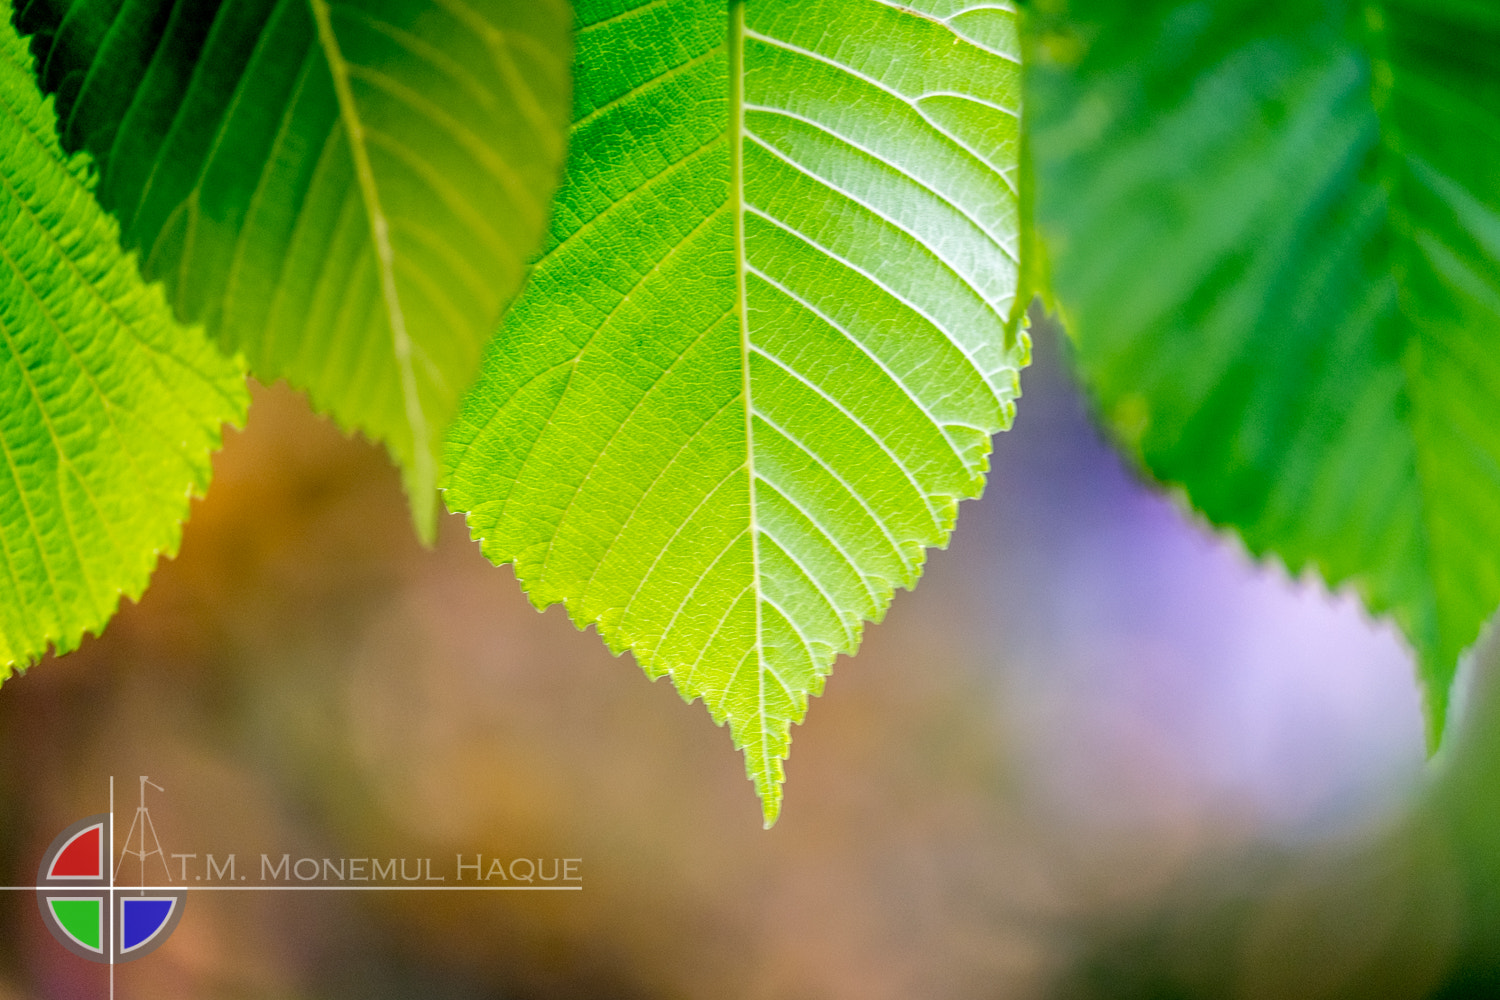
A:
(1096, 753)
(1151, 667)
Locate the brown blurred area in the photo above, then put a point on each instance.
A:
(305, 678)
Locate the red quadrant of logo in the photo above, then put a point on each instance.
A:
(80, 857)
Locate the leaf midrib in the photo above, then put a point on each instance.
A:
(1390, 175)
(736, 45)
(424, 471)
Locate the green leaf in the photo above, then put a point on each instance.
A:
(346, 192)
(108, 409)
(1275, 227)
(763, 355)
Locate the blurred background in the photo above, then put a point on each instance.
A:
(1097, 753)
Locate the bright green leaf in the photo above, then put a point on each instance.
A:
(1275, 227)
(108, 409)
(763, 355)
(345, 191)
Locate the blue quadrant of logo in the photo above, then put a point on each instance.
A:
(141, 919)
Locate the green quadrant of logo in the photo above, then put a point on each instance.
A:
(83, 919)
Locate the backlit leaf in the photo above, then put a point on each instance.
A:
(109, 409)
(761, 359)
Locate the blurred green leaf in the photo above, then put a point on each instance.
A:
(108, 409)
(346, 192)
(762, 357)
(1275, 228)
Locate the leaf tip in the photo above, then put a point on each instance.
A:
(770, 808)
(765, 764)
(768, 789)
(1435, 700)
(424, 513)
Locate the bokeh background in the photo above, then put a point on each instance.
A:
(1097, 753)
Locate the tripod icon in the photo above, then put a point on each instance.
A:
(141, 827)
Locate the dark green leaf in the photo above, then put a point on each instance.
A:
(1274, 228)
(344, 191)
